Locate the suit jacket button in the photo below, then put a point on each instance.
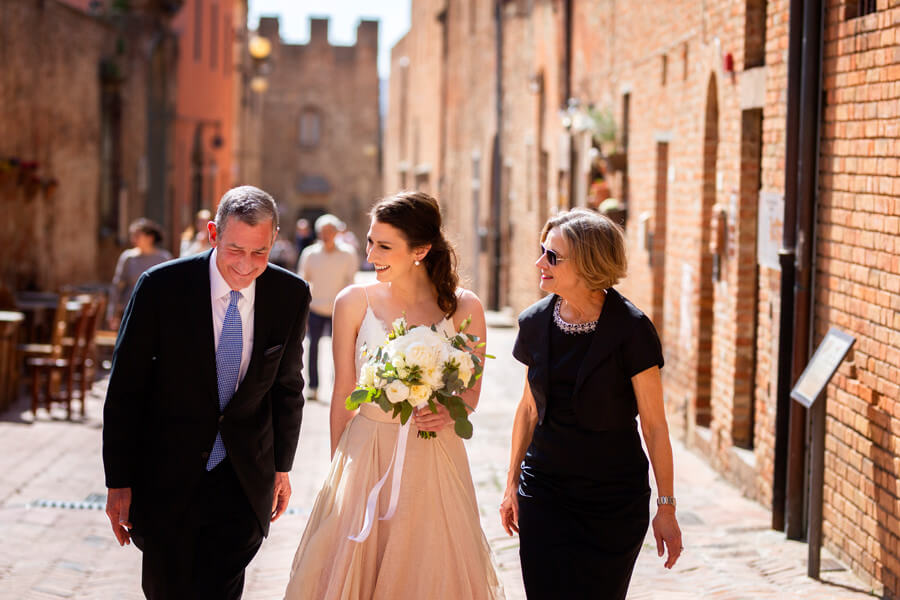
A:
(221, 418)
(205, 456)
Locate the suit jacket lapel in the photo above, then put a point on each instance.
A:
(606, 337)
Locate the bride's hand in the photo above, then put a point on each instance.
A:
(509, 511)
(429, 421)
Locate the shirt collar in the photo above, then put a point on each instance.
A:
(219, 288)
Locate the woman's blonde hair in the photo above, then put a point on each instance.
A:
(596, 246)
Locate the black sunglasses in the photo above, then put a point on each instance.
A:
(552, 256)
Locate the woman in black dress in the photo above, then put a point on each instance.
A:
(577, 491)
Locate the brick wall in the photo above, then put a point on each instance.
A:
(858, 285)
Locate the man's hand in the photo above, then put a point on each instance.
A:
(118, 503)
(282, 494)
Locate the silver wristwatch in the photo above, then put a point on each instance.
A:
(665, 500)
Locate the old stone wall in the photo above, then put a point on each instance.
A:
(52, 121)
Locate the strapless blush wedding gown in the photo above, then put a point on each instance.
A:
(432, 548)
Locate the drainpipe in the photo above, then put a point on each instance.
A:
(807, 197)
(443, 20)
(567, 95)
(786, 257)
(497, 158)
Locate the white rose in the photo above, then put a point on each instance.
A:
(397, 391)
(466, 366)
(367, 375)
(419, 395)
(423, 354)
(433, 377)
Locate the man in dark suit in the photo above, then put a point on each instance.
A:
(203, 409)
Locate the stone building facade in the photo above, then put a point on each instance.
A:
(74, 136)
(321, 127)
(699, 162)
(137, 123)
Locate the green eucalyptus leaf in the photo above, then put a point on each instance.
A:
(463, 428)
(458, 409)
(405, 411)
(356, 398)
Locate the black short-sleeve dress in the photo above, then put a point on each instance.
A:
(584, 492)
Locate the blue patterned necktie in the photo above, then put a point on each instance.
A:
(228, 367)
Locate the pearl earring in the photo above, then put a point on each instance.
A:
(417, 263)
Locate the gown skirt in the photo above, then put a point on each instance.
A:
(433, 547)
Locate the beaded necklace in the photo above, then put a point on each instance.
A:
(571, 328)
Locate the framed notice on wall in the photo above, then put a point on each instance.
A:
(821, 367)
(770, 226)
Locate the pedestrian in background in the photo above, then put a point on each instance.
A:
(195, 238)
(577, 490)
(145, 252)
(284, 254)
(328, 267)
(204, 404)
(347, 238)
(303, 235)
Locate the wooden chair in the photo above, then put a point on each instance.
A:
(86, 369)
(67, 361)
(10, 322)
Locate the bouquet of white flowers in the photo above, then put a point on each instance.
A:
(420, 366)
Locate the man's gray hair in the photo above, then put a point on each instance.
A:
(248, 204)
(325, 220)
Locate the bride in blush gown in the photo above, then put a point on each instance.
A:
(433, 546)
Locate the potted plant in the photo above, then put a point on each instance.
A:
(604, 130)
(615, 210)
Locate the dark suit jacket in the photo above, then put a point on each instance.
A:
(624, 344)
(162, 413)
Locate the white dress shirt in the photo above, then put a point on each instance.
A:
(220, 293)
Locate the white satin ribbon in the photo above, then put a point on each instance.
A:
(397, 459)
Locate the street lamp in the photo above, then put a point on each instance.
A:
(260, 47)
(259, 84)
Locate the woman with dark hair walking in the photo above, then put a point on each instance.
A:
(433, 546)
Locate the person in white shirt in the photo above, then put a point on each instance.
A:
(328, 267)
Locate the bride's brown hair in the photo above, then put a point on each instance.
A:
(418, 218)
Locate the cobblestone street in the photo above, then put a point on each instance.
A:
(55, 541)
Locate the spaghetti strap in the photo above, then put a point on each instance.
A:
(366, 292)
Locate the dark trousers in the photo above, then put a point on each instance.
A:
(202, 555)
(317, 327)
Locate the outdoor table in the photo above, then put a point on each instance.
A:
(9, 356)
